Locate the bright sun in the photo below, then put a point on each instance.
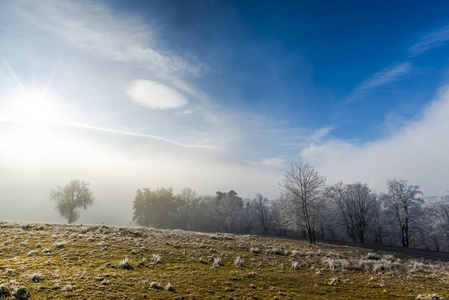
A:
(30, 117)
(34, 106)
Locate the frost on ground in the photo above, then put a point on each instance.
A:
(58, 261)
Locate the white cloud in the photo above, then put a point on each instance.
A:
(320, 134)
(154, 95)
(418, 153)
(381, 78)
(430, 41)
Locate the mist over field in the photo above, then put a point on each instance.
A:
(114, 177)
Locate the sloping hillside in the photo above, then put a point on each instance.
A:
(99, 262)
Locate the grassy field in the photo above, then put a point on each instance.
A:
(47, 261)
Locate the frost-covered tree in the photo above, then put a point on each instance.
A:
(229, 205)
(70, 198)
(262, 213)
(381, 223)
(402, 202)
(302, 187)
(357, 205)
(280, 224)
(437, 217)
(184, 216)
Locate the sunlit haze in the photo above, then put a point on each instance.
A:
(217, 95)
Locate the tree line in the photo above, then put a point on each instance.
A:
(307, 207)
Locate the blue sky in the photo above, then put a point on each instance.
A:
(219, 95)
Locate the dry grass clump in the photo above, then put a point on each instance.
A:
(21, 293)
(275, 251)
(4, 292)
(362, 264)
(156, 258)
(295, 265)
(169, 287)
(46, 251)
(333, 281)
(254, 250)
(60, 245)
(124, 264)
(143, 262)
(373, 256)
(239, 262)
(36, 277)
(429, 297)
(217, 263)
(155, 285)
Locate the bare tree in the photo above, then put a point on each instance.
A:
(70, 198)
(437, 218)
(401, 201)
(381, 223)
(302, 186)
(262, 213)
(357, 205)
(230, 206)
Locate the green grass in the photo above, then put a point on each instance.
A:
(84, 262)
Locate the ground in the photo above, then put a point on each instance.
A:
(52, 261)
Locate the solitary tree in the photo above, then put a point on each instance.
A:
(70, 198)
(302, 187)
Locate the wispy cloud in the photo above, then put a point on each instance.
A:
(381, 78)
(155, 137)
(92, 28)
(154, 95)
(320, 134)
(430, 41)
